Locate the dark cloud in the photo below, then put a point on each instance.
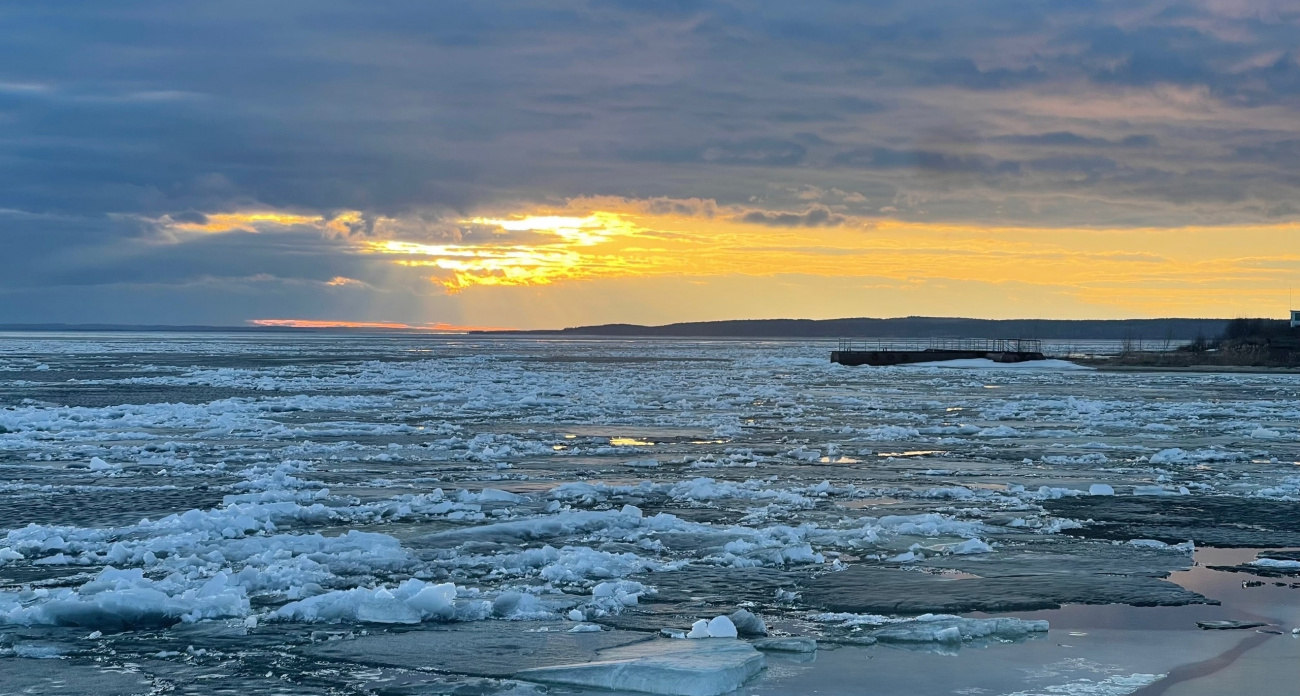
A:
(1069, 139)
(926, 160)
(767, 152)
(1081, 112)
(190, 216)
(816, 216)
(1078, 164)
(1277, 152)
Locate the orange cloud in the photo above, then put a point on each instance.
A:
(259, 221)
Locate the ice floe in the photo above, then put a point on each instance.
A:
(675, 668)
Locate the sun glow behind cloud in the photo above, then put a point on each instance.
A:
(560, 248)
(1141, 271)
(584, 231)
(466, 266)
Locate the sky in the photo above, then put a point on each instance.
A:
(491, 164)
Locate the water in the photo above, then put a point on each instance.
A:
(323, 468)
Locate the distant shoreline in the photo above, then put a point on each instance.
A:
(1174, 329)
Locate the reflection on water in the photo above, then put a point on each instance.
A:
(1110, 649)
(1279, 605)
(629, 442)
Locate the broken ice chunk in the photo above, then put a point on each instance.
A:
(1159, 490)
(748, 624)
(520, 606)
(384, 608)
(721, 627)
(972, 546)
(411, 602)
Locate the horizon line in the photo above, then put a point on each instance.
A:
(323, 325)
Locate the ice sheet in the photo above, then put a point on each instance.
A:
(705, 667)
(168, 490)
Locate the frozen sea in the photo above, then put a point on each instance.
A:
(354, 514)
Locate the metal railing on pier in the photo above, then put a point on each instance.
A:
(989, 345)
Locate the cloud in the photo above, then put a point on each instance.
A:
(1067, 139)
(815, 216)
(766, 152)
(934, 161)
(130, 164)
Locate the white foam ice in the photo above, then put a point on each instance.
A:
(411, 602)
(1188, 546)
(614, 596)
(1160, 490)
(1275, 563)
(125, 599)
(1177, 455)
(1287, 488)
(704, 489)
(845, 619)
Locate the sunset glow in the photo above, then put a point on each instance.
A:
(1145, 271)
(586, 231)
(437, 327)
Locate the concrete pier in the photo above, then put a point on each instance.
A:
(1003, 350)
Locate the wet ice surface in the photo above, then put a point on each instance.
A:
(326, 514)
